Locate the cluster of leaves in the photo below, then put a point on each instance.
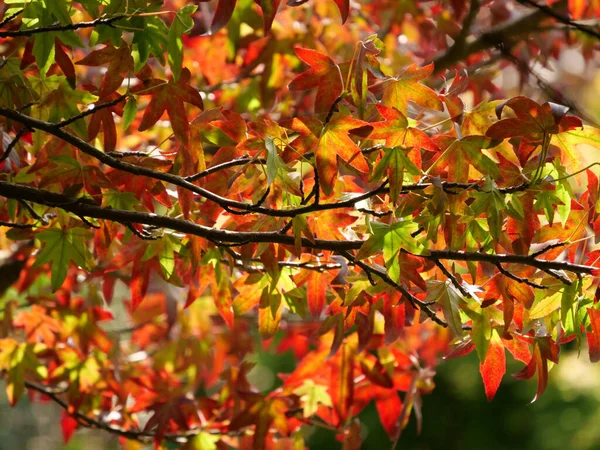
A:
(184, 190)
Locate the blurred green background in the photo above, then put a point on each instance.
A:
(456, 416)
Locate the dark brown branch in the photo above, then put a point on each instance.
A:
(249, 160)
(23, 226)
(459, 44)
(559, 276)
(546, 249)
(414, 301)
(42, 219)
(116, 154)
(89, 422)
(507, 33)
(9, 148)
(232, 206)
(176, 180)
(63, 27)
(511, 275)
(90, 111)
(226, 165)
(85, 207)
(553, 93)
(453, 279)
(550, 12)
(10, 18)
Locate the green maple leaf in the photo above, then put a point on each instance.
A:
(481, 333)
(491, 202)
(547, 201)
(392, 239)
(462, 154)
(312, 395)
(395, 163)
(450, 299)
(203, 441)
(275, 165)
(569, 141)
(17, 359)
(149, 38)
(182, 23)
(165, 250)
(61, 101)
(62, 247)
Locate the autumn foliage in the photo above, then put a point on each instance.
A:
(187, 185)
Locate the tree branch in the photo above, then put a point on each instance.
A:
(61, 27)
(550, 12)
(141, 436)
(88, 208)
(508, 33)
(10, 18)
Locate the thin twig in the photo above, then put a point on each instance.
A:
(511, 275)
(90, 111)
(414, 301)
(21, 226)
(13, 143)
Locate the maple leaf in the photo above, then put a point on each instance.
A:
(392, 239)
(18, 359)
(409, 266)
(482, 332)
(478, 120)
(182, 23)
(396, 131)
(68, 426)
(389, 408)
(311, 396)
(544, 350)
(593, 337)
(61, 247)
(62, 102)
(120, 65)
(335, 141)
(493, 368)
(398, 91)
(570, 141)
(490, 201)
(65, 63)
(327, 224)
(344, 7)
(222, 15)
(38, 325)
(324, 74)
(342, 381)
(450, 299)
(170, 97)
(463, 153)
(532, 120)
(395, 163)
(202, 441)
(316, 289)
(269, 312)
